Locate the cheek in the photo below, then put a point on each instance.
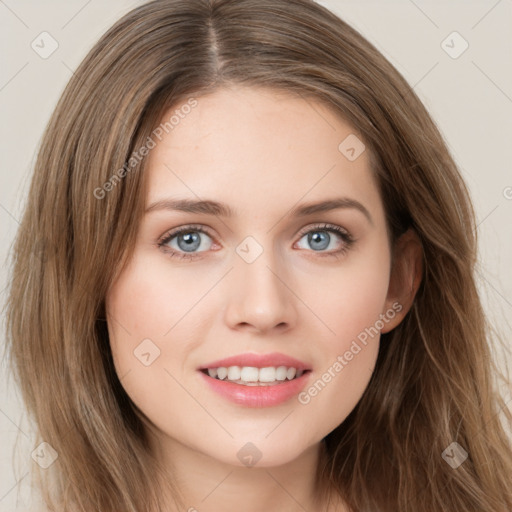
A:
(352, 307)
(150, 300)
(352, 298)
(156, 318)
(142, 312)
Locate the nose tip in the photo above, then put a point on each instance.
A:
(259, 299)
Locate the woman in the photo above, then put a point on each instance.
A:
(254, 282)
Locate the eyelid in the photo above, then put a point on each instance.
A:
(183, 229)
(323, 226)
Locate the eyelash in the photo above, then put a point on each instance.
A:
(346, 237)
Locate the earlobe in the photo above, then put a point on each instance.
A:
(405, 278)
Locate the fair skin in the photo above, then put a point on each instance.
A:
(263, 154)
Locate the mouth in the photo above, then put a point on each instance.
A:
(253, 376)
(254, 393)
(256, 380)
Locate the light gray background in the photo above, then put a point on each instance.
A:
(469, 97)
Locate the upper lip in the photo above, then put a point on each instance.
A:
(258, 361)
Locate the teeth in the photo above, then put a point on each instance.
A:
(269, 374)
(222, 373)
(252, 376)
(234, 373)
(291, 372)
(248, 374)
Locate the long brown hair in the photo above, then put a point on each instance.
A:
(433, 383)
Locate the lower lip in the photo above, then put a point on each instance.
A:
(257, 396)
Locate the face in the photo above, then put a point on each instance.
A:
(253, 281)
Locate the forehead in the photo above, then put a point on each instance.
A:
(256, 149)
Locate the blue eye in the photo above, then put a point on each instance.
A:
(187, 242)
(320, 239)
(187, 239)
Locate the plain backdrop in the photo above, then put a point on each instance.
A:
(468, 93)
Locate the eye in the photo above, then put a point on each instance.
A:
(321, 239)
(185, 242)
(188, 241)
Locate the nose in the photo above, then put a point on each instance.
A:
(260, 298)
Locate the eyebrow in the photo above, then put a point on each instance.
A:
(209, 207)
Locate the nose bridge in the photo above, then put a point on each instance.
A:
(258, 293)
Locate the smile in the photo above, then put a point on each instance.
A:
(257, 394)
(252, 376)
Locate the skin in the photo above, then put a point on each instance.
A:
(261, 152)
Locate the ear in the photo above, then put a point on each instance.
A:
(405, 277)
